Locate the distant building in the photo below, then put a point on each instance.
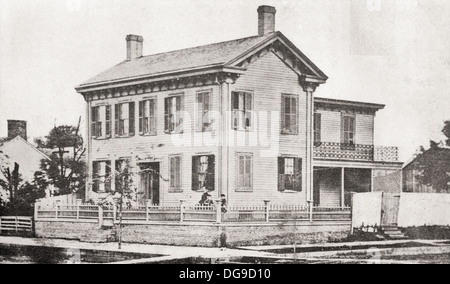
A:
(20, 151)
(414, 168)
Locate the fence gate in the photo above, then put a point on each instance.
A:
(389, 209)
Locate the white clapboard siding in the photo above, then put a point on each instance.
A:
(268, 78)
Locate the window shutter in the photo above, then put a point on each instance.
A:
(206, 121)
(280, 173)
(166, 114)
(95, 177)
(131, 117)
(317, 127)
(108, 121)
(283, 114)
(235, 109)
(141, 117)
(152, 123)
(210, 176)
(108, 176)
(172, 172)
(179, 112)
(195, 165)
(178, 173)
(298, 174)
(116, 119)
(294, 116)
(94, 121)
(200, 107)
(248, 110)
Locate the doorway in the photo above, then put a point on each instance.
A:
(149, 183)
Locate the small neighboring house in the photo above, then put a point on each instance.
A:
(238, 118)
(20, 151)
(414, 168)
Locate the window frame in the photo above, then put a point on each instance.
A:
(345, 141)
(241, 115)
(239, 187)
(147, 117)
(200, 120)
(168, 116)
(291, 97)
(119, 122)
(209, 181)
(100, 124)
(96, 183)
(177, 188)
(297, 167)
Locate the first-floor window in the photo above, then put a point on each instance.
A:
(203, 173)
(121, 174)
(244, 172)
(289, 174)
(101, 176)
(175, 174)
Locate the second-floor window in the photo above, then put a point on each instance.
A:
(147, 117)
(101, 176)
(203, 111)
(175, 174)
(244, 172)
(289, 174)
(317, 127)
(101, 121)
(173, 121)
(289, 114)
(348, 129)
(124, 119)
(203, 173)
(242, 106)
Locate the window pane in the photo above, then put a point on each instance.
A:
(287, 105)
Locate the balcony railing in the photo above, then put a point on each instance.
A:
(355, 152)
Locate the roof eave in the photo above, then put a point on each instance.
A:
(123, 82)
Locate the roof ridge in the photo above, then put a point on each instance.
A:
(198, 46)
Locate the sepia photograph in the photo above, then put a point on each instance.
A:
(229, 132)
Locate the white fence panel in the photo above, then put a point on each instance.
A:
(419, 209)
(366, 209)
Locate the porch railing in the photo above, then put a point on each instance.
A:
(356, 152)
(190, 213)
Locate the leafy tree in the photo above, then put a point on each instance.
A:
(446, 131)
(434, 164)
(66, 170)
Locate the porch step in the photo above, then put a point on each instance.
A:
(393, 233)
(99, 236)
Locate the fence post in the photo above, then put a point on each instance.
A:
(16, 223)
(36, 207)
(310, 205)
(56, 211)
(146, 210)
(100, 216)
(181, 210)
(218, 211)
(78, 211)
(266, 203)
(114, 213)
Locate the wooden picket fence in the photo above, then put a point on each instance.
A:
(16, 224)
(191, 213)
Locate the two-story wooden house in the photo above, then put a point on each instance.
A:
(237, 118)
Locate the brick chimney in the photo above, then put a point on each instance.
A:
(17, 128)
(266, 20)
(134, 46)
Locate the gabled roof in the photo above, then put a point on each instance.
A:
(18, 138)
(223, 54)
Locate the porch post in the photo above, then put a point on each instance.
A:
(342, 187)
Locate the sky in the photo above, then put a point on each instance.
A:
(394, 52)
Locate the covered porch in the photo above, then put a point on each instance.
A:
(333, 185)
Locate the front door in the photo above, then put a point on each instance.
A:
(149, 185)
